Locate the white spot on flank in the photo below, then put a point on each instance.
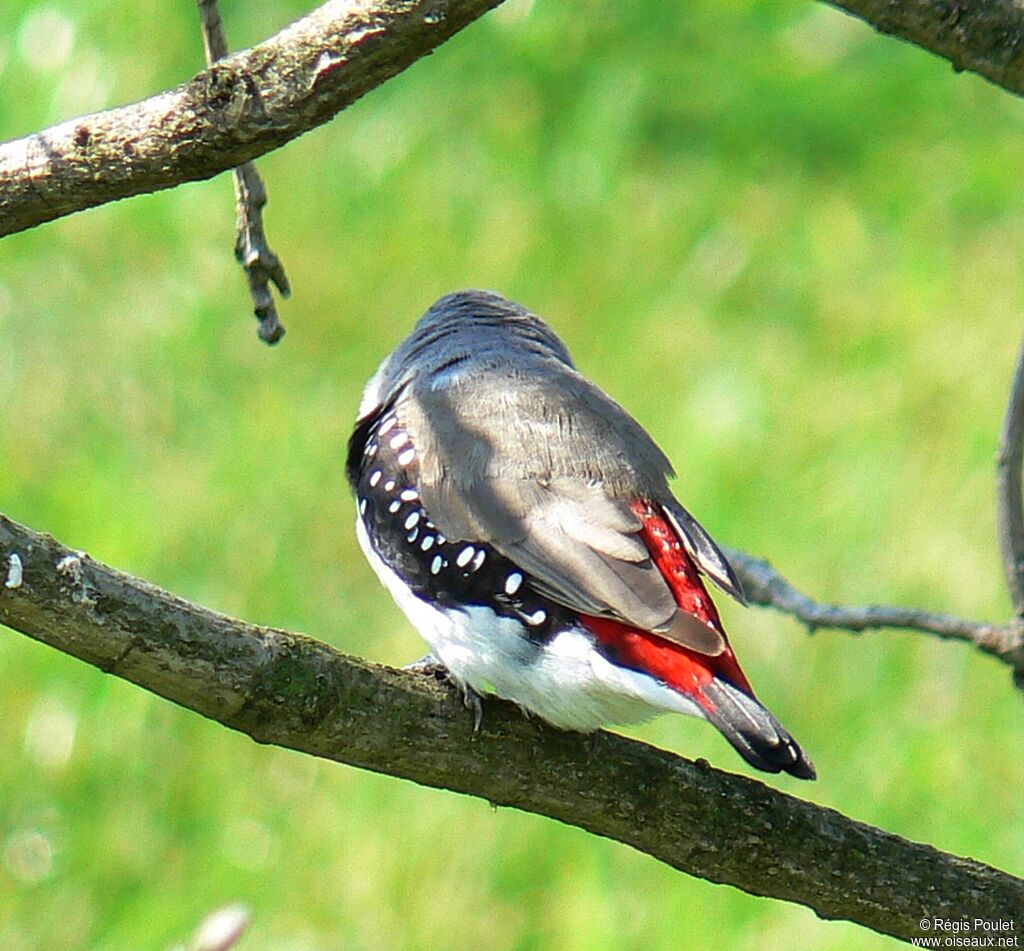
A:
(566, 681)
(389, 486)
(399, 440)
(538, 617)
(440, 538)
(386, 426)
(406, 456)
(409, 495)
(427, 543)
(375, 478)
(362, 506)
(465, 556)
(13, 571)
(394, 506)
(479, 560)
(435, 565)
(512, 583)
(412, 521)
(371, 450)
(411, 537)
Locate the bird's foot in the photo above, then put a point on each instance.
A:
(474, 703)
(430, 666)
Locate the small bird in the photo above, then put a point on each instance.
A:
(523, 522)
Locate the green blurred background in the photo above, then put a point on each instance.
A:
(791, 247)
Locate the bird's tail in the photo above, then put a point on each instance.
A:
(757, 736)
(713, 680)
(714, 685)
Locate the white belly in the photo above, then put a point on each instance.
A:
(566, 681)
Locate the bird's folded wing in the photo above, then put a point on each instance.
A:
(584, 554)
(560, 523)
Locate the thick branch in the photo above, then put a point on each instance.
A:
(259, 99)
(763, 585)
(240, 108)
(289, 690)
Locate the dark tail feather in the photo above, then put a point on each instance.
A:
(758, 737)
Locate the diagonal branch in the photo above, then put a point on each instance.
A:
(240, 108)
(259, 99)
(292, 691)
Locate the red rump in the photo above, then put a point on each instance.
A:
(683, 669)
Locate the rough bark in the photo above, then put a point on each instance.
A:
(241, 107)
(259, 99)
(292, 691)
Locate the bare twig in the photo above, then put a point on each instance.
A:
(763, 585)
(1009, 509)
(289, 690)
(215, 41)
(262, 266)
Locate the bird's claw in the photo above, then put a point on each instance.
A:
(475, 704)
(432, 667)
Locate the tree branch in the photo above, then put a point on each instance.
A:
(764, 586)
(259, 99)
(252, 250)
(292, 691)
(1009, 510)
(241, 107)
(984, 37)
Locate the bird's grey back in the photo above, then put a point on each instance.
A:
(490, 389)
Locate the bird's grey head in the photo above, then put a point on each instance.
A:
(468, 330)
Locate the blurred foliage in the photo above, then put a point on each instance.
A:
(791, 247)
